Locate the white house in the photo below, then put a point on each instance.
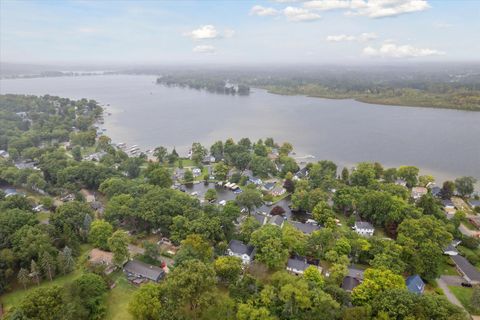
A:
(364, 228)
(239, 249)
(418, 192)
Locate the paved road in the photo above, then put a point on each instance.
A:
(442, 283)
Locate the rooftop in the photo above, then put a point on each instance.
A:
(239, 247)
(364, 225)
(297, 264)
(100, 256)
(415, 284)
(306, 228)
(144, 270)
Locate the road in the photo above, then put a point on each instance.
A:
(443, 283)
(467, 232)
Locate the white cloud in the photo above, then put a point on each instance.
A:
(386, 8)
(340, 37)
(263, 11)
(294, 14)
(391, 50)
(204, 48)
(363, 37)
(370, 8)
(203, 32)
(325, 5)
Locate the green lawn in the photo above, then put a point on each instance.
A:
(118, 299)
(43, 216)
(447, 267)
(464, 295)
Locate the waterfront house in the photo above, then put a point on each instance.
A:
(436, 191)
(302, 173)
(238, 249)
(415, 284)
(364, 228)
(448, 204)
(469, 272)
(139, 272)
(418, 192)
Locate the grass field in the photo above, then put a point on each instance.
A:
(447, 267)
(118, 299)
(464, 295)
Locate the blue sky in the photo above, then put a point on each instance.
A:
(282, 31)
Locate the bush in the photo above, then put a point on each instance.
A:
(277, 210)
(470, 242)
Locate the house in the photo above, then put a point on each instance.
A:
(474, 203)
(4, 154)
(401, 182)
(469, 272)
(262, 219)
(138, 271)
(448, 204)
(255, 180)
(418, 192)
(97, 156)
(239, 249)
(306, 228)
(100, 257)
(277, 221)
(302, 173)
(278, 191)
(208, 160)
(436, 191)
(268, 186)
(415, 284)
(353, 279)
(26, 165)
(297, 265)
(10, 192)
(364, 228)
(97, 206)
(196, 172)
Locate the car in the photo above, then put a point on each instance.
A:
(466, 284)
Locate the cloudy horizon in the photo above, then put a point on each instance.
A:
(246, 32)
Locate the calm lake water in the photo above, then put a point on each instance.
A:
(445, 143)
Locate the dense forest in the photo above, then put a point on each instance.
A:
(136, 209)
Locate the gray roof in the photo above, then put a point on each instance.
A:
(239, 247)
(144, 270)
(474, 203)
(356, 273)
(276, 220)
(363, 225)
(297, 264)
(349, 283)
(306, 228)
(466, 268)
(260, 218)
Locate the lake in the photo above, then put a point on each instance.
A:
(445, 143)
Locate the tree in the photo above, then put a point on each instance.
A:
(220, 171)
(86, 296)
(216, 150)
(34, 273)
(262, 166)
(249, 312)
(249, 199)
(66, 261)
(314, 277)
(228, 268)
(323, 175)
(191, 283)
(147, 303)
(448, 189)
(100, 232)
(194, 247)
(160, 153)
(248, 227)
(270, 249)
(375, 282)
(364, 175)
(188, 176)
(285, 149)
(322, 212)
(198, 152)
(161, 177)
(345, 175)
(425, 180)
(23, 277)
(465, 185)
(118, 244)
(77, 153)
(151, 250)
(211, 195)
(42, 304)
(47, 263)
(409, 174)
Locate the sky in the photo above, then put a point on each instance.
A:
(252, 32)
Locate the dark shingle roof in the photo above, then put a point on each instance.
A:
(306, 228)
(466, 268)
(276, 220)
(297, 264)
(144, 270)
(415, 284)
(239, 247)
(349, 283)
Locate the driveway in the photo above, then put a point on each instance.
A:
(453, 280)
(467, 232)
(443, 284)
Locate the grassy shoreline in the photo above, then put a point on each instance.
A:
(402, 102)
